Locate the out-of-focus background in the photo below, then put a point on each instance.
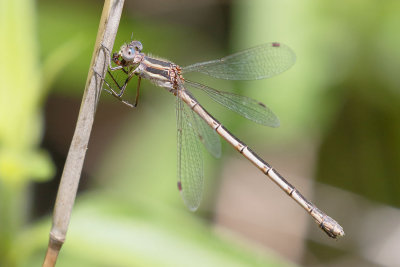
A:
(338, 143)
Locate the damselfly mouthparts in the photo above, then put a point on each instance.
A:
(195, 124)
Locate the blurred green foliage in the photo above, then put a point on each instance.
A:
(20, 119)
(362, 149)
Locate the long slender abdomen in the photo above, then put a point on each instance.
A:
(326, 223)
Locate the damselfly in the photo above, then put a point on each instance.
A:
(195, 124)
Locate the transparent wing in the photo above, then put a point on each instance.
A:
(255, 63)
(244, 106)
(190, 161)
(206, 134)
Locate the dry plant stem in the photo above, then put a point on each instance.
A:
(73, 166)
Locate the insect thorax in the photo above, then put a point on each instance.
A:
(161, 72)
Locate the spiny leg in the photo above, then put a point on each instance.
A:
(112, 92)
(107, 52)
(121, 93)
(110, 67)
(137, 92)
(121, 88)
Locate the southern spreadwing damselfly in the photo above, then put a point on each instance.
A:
(196, 125)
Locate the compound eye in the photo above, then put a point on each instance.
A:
(128, 54)
(137, 45)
